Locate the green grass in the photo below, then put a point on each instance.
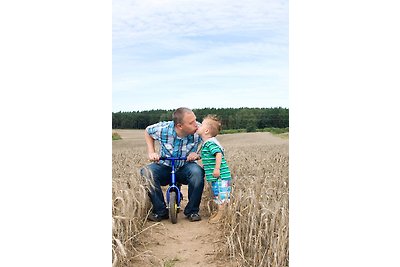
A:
(116, 136)
(232, 131)
(284, 135)
(171, 263)
(276, 131)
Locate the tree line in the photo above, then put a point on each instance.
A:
(232, 118)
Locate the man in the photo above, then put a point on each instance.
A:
(177, 138)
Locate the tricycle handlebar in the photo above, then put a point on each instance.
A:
(173, 158)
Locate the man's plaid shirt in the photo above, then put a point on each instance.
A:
(171, 145)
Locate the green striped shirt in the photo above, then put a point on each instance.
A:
(208, 151)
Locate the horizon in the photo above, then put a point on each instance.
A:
(155, 109)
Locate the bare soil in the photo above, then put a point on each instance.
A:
(184, 243)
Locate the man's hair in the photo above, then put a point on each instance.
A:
(214, 124)
(177, 116)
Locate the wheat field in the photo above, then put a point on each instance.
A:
(255, 229)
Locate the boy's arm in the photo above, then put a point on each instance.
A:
(218, 159)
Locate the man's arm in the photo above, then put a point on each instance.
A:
(151, 152)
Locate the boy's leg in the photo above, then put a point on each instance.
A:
(218, 215)
(159, 175)
(221, 196)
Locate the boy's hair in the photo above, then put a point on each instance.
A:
(214, 124)
(177, 116)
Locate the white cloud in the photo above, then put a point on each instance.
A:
(199, 47)
(143, 21)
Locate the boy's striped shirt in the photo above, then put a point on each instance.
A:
(208, 151)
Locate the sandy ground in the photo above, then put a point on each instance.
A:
(184, 243)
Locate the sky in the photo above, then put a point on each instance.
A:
(198, 54)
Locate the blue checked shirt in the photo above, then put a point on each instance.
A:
(171, 145)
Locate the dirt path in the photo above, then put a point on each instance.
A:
(182, 244)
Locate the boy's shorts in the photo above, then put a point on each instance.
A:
(221, 190)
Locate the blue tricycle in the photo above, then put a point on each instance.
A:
(173, 193)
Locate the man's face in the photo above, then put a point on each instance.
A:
(189, 124)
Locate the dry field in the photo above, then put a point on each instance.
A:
(254, 231)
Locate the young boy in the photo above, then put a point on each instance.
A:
(216, 169)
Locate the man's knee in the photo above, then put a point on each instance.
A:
(146, 172)
(197, 175)
(196, 171)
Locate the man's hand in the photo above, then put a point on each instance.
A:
(154, 156)
(192, 156)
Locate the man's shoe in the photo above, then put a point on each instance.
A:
(157, 218)
(194, 217)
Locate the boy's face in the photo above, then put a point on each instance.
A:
(202, 128)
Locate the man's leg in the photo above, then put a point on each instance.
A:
(159, 175)
(192, 175)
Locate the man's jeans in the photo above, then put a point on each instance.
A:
(189, 174)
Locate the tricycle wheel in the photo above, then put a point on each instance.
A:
(173, 207)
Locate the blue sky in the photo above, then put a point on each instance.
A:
(204, 53)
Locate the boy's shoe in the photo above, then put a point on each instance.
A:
(194, 217)
(216, 218)
(157, 218)
(213, 214)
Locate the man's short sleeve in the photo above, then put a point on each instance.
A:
(154, 130)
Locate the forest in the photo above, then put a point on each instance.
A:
(232, 118)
